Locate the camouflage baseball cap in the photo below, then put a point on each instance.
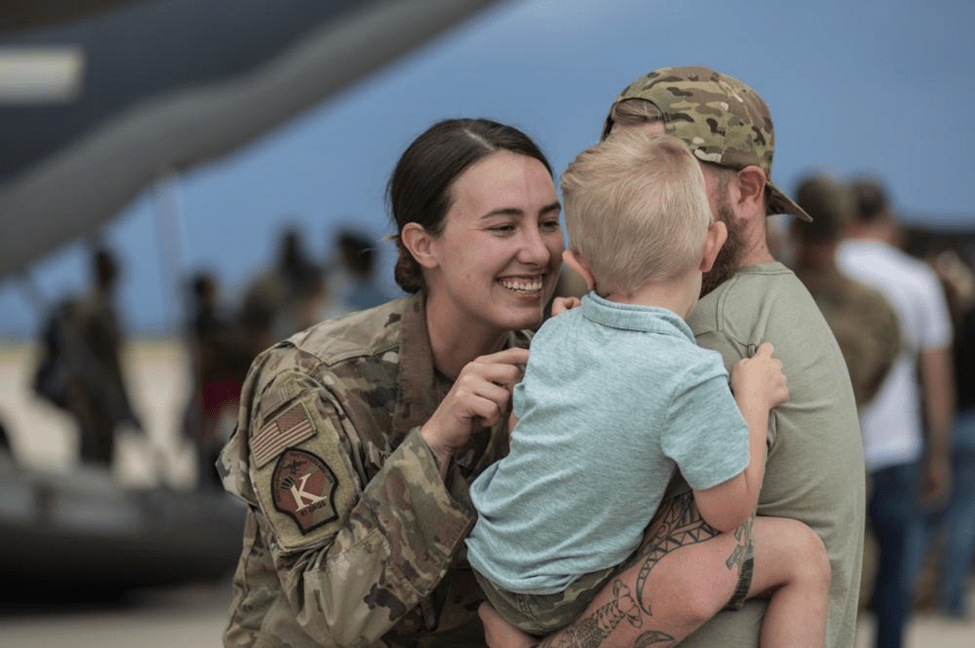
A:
(723, 121)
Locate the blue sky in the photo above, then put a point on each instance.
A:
(854, 86)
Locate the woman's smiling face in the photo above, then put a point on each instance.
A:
(500, 251)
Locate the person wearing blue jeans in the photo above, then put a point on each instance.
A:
(952, 530)
(959, 521)
(897, 521)
(906, 427)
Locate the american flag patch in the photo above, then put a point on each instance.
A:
(288, 428)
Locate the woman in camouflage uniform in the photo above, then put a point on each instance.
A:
(359, 436)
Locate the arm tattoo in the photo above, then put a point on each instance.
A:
(680, 525)
(590, 631)
(654, 638)
(742, 534)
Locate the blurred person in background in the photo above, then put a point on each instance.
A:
(7, 458)
(906, 427)
(957, 522)
(351, 277)
(92, 337)
(5, 447)
(861, 318)
(283, 299)
(778, 237)
(219, 363)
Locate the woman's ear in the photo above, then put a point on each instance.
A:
(419, 242)
(579, 265)
(713, 242)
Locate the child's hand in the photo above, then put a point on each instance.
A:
(563, 304)
(759, 379)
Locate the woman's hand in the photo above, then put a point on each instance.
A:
(482, 391)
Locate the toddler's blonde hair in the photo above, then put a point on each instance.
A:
(636, 209)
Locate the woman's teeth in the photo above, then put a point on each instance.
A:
(523, 285)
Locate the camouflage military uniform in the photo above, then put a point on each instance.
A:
(97, 397)
(864, 324)
(352, 538)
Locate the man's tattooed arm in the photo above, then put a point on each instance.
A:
(623, 608)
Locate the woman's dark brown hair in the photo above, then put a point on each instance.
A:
(419, 189)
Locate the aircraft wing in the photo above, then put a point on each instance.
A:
(111, 94)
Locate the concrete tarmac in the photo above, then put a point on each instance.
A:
(195, 616)
(184, 617)
(926, 630)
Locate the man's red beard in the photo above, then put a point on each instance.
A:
(728, 259)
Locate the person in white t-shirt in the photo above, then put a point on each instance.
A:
(906, 427)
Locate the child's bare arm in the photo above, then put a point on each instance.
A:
(758, 385)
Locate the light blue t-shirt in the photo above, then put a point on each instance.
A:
(614, 397)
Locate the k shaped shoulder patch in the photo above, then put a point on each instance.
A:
(303, 487)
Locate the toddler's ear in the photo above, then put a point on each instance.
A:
(579, 265)
(717, 235)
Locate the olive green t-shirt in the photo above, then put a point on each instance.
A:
(814, 471)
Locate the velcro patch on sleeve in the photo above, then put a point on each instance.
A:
(290, 427)
(303, 488)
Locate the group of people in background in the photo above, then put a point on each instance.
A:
(292, 294)
(363, 438)
(909, 357)
(80, 369)
(289, 296)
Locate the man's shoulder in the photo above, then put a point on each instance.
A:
(747, 295)
(912, 268)
(924, 277)
(871, 257)
(755, 281)
(908, 282)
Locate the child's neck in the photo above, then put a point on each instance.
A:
(678, 294)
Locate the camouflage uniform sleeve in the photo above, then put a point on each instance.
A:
(358, 539)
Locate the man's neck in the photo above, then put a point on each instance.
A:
(758, 253)
(757, 257)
